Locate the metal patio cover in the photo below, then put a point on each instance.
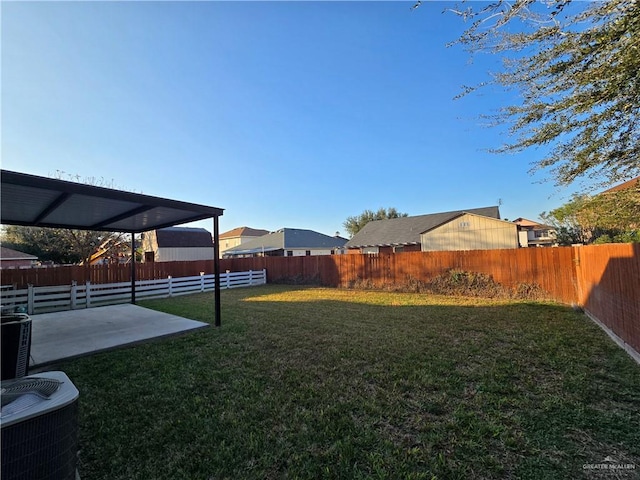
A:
(45, 202)
(31, 200)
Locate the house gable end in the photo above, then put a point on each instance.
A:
(468, 231)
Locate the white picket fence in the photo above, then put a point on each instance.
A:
(35, 300)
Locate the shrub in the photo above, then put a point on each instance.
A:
(469, 284)
(361, 284)
(457, 282)
(297, 280)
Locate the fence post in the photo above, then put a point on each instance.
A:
(73, 294)
(30, 300)
(250, 277)
(264, 276)
(170, 286)
(202, 281)
(87, 294)
(227, 279)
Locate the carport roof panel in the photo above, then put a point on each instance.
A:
(45, 202)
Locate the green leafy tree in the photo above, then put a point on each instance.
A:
(576, 67)
(612, 216)
(565, 220)
(355, 223)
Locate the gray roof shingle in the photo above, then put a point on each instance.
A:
(184, 237)
(407, 230)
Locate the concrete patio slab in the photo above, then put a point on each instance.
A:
(63, 335)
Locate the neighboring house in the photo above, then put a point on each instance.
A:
(288, 242)
(10, 258)
(633, 183)
(534, 234)
(237, 236)
(177, 244)
(473, 229)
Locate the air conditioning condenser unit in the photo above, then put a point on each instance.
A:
(39, 423)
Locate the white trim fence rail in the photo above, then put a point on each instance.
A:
(34, 300)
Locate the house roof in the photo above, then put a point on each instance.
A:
(287, 238)
(407, 230)
(623, 186)
(11, 254)
(46, 202)
(244, 232)
(524, 222)
(183, 237)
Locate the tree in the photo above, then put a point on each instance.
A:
(354, 224)
(612, 216)
(58, 245)
(565, 220)
(576, 65)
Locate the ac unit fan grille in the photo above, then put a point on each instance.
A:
(43, 387)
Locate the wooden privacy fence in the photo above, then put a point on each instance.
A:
(608, 280)
(99, 274)
(550, 268)
(603, 279)
(70, 297)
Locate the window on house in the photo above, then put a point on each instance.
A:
(289, 253)
(308, 253)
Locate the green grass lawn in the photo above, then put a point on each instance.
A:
(327, 383)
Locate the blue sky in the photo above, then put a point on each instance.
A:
(285, 114)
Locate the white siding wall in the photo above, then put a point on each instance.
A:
(323, 252)
(523, 237)
(471, 232)
(172, 254)
(303, 252)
